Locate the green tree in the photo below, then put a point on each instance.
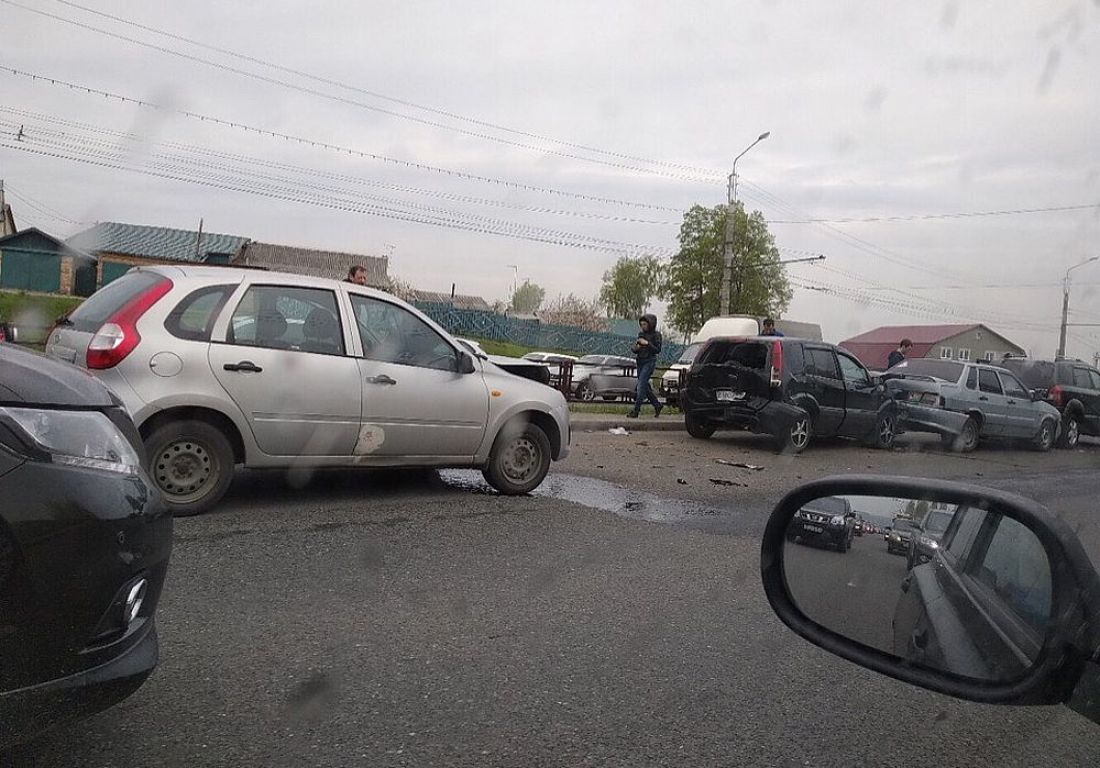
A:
(528, 298)
(629, 285)
(693, 278)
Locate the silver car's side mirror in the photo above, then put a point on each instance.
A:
(465, 362)
(974, 593)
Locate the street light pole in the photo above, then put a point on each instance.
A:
(731, 231)
(1065, 304)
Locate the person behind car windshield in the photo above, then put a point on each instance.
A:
(646, 348)
(357, 274)
(769, 328)
(899, 354)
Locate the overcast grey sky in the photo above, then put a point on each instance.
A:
(876, 109)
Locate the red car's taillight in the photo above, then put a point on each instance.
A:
(1055, 394)
(118, 337)
(777, 364)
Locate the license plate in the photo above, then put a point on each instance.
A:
(814, 528)
(729, 396)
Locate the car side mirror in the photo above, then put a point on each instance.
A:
(465, 362)
(1036, 395)
(1018, 624)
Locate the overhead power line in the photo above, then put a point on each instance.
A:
(363, 105)
(318, 144)
(107, 154)
(936, 216)
(392, 99)
(39, 207)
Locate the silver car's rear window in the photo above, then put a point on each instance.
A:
(105, 302)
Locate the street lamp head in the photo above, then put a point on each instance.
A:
(766, 134)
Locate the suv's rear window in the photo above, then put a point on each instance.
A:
(940, 369)
(102, 304)
(1035, 374)
(746, 354)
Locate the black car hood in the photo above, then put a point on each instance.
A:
(28, 378)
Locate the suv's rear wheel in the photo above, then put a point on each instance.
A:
(1044, 441)
(519, 460)
(797, 436)
(698, 428)
(585, 393)
(1071, 431)
(192, 465)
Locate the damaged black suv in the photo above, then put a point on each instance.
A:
(791, 389)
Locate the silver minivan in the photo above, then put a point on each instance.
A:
(221, 366)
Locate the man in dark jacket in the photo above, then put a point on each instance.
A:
(646, 348)
(899, 354)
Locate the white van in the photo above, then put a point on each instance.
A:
(734, 325)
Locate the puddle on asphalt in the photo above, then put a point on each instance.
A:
(598, 494)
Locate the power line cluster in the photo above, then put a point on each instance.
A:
(239, 173)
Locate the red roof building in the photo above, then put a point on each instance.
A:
(972, 341)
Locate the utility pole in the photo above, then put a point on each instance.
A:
(198, 243)
(724, 307)
(1065, 304)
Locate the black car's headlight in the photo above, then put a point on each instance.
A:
(78, 438)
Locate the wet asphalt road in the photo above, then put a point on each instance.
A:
(397, 619)
(852, 592)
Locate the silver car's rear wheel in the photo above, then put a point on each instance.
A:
(191, 463)
(519, 460)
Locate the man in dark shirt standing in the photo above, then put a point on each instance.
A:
(769, 328)
(646, 348)
(899, 354)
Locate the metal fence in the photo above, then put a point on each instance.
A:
(537, 335)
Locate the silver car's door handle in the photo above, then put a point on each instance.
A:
(245, 366)
(383, 379)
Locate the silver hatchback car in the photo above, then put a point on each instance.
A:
(221, 366)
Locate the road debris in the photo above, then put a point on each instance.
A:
(721, 481)
(681, 481)
(740, 464)
(623, 431)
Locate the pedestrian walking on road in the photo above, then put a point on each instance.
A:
(900, 353)
(646, 348)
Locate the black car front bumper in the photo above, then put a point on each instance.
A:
(807, 532)
(84, 542)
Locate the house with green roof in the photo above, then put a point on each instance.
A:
(118, 247)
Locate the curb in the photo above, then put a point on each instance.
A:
(642, 424)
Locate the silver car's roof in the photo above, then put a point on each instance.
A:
(208, 272)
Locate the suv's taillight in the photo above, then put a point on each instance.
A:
(777, 364)
(118, 337)
(1055, 395)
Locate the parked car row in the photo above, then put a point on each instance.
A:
(796, 390)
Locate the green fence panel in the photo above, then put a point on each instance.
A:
(532, 333)
(28, 270)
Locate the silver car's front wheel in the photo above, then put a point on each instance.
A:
(519, 460)
(1044, 441)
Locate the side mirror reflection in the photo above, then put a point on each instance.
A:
(951, 587)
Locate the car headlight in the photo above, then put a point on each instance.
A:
(837, 520)
(895, 537)
(78, 438)
(930, 543)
